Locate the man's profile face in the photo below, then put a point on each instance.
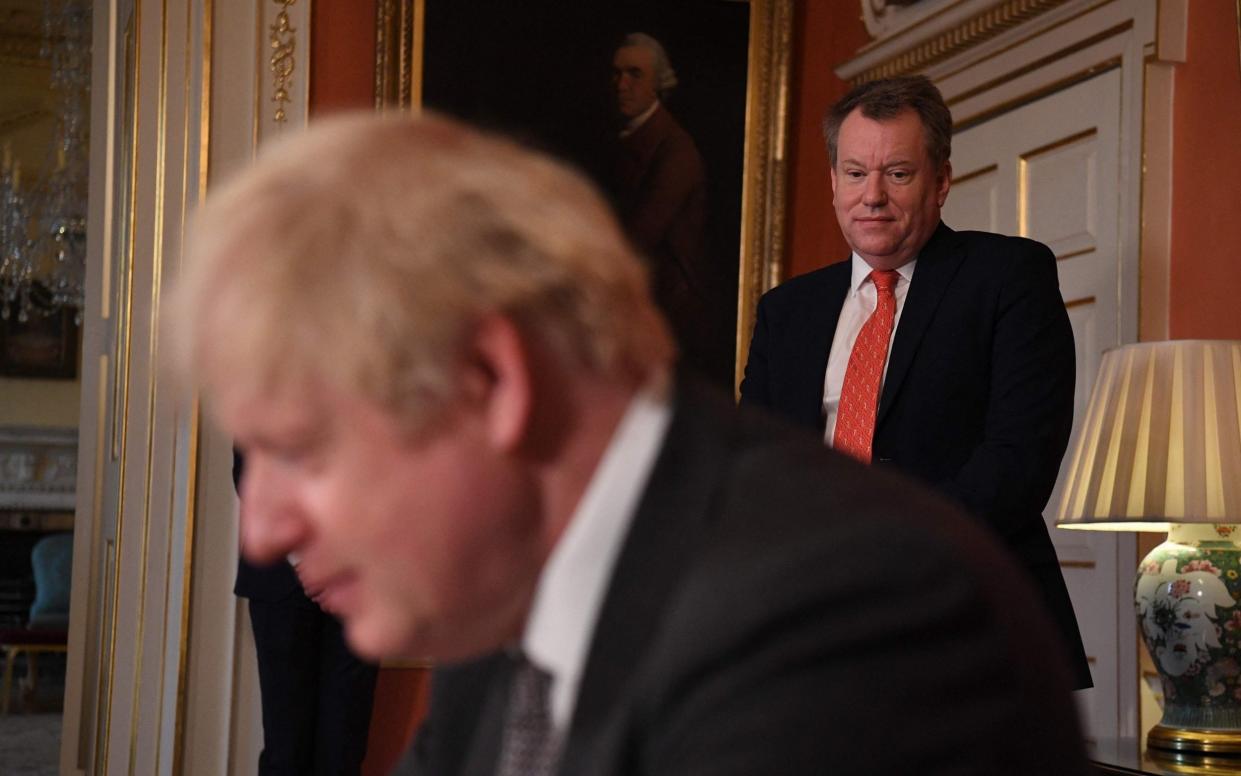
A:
(422, 548)
(633, 78)
(886, 191)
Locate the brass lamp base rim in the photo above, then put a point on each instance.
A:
(1194, 742)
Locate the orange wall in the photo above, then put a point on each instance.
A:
(401, 698)
(825, 33)
(1205, 285)
(342, 62)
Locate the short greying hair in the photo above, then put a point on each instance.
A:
(665, 76)
(886, 99)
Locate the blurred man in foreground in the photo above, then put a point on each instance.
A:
(456, 400)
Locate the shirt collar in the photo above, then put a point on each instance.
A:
(636, 122)
(571, 587)
(861, 271)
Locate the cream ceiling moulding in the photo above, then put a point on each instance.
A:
(925, 33)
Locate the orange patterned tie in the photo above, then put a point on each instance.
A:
(859, 395)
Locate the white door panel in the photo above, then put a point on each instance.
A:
(1050, 170)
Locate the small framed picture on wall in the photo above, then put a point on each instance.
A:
(43, 347)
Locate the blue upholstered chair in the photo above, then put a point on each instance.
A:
(48, 628)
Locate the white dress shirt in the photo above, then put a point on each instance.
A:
(571, 588)
(858, 306)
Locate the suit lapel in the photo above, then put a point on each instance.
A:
(819, 329)
(937, 265)
(670, 515)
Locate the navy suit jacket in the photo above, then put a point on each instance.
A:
(777, 608)
(978, 397)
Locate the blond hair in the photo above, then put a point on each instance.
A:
(364, 251)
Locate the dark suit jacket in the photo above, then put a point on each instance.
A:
(779, 609)
(978, 398)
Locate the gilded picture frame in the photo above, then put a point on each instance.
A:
(401, 49)
(44, 347)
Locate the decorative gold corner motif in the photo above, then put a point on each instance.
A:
(283, 46)
(970, 33)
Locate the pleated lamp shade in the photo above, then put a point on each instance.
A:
(1161, 441)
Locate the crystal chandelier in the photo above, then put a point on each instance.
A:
(43, 222)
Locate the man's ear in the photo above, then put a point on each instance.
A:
(503, 379)
(832, 170)
(942, 185)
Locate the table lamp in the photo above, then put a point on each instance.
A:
(1160, 450)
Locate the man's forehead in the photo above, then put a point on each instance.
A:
(252, 406)
(902, 134)
(635, 56)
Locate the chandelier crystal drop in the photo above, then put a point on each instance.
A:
(43, 223)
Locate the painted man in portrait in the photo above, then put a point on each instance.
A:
(659, 187)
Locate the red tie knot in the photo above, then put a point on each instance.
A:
(884, 279)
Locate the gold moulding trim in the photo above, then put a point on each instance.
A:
(1075, 254)
(283, 46)
(967, 35)
(1042, 62)
(969, 176)
(1058, 144)
(960, 125)
(398, 52)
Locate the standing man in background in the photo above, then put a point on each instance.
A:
(946, 355)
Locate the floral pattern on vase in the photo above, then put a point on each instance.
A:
(1187, 594)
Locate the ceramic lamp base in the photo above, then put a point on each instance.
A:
(1187, 595)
